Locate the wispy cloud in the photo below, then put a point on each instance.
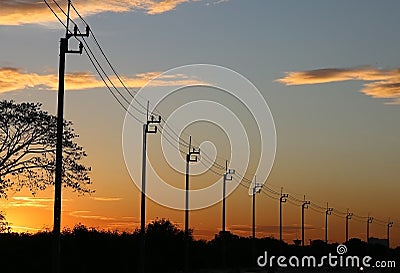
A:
(380, 83)
(268, 228)
(30, 202)
(12, 79)
(124, 223)
(220, 2)
(86, 214)
(15, 228)
(33, 202)
(17, 12)
(106, 199)
(32, 199)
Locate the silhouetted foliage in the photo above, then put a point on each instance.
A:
(90, 250)
(27, 150)
(3, 223)
(165, 244)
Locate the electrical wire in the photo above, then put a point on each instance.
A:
(167, 131)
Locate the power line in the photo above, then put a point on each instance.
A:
(180, 140)
(167, 131)
(101, 68)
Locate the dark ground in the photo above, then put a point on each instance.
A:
(86, 250)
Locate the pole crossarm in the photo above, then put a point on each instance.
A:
(305, 204)
(193, 154)
(76, 32)
(151, 127)
(349, 215)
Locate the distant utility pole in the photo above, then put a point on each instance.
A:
(328, 212)
(369, 221)
(303, 207)
(191, 156)
(256, 189)
(282, 199)
(227, 177)
(389, 225)
(348, 217)
(149, 127)
(60, 129)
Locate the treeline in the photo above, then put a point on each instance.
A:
(91, 250)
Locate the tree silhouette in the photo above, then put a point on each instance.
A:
(87, 249)
(3, 224)
(27, 150)
(165, 241)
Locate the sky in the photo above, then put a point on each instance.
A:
(328, 70)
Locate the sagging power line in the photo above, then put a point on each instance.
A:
(166, 130)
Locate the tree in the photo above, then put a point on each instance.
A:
(3, 223)
(28, 148)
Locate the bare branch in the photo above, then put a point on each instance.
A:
(27, 150)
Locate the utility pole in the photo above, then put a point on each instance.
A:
(191, 156)
(149, 127)
(369, 221)
(303, 207)
(59, 143)
(227, 177)
(256, 189)
(328, 212)
(389, 225)
(348, 217)
(282, 199)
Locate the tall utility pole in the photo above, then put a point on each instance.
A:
(191, 156)
(149, 127)
(59, 144)
(389, 225)
(369, 221)
(303, 207)
(227, 177)
(348, 217)
(328, 212)
(282, 199)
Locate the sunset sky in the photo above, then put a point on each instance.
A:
(329, 71)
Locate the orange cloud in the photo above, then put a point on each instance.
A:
(12, 79)
(34, 202)
(86, 214)
(381, 83)
(15, 12)
(24, 229)
(106, 199)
